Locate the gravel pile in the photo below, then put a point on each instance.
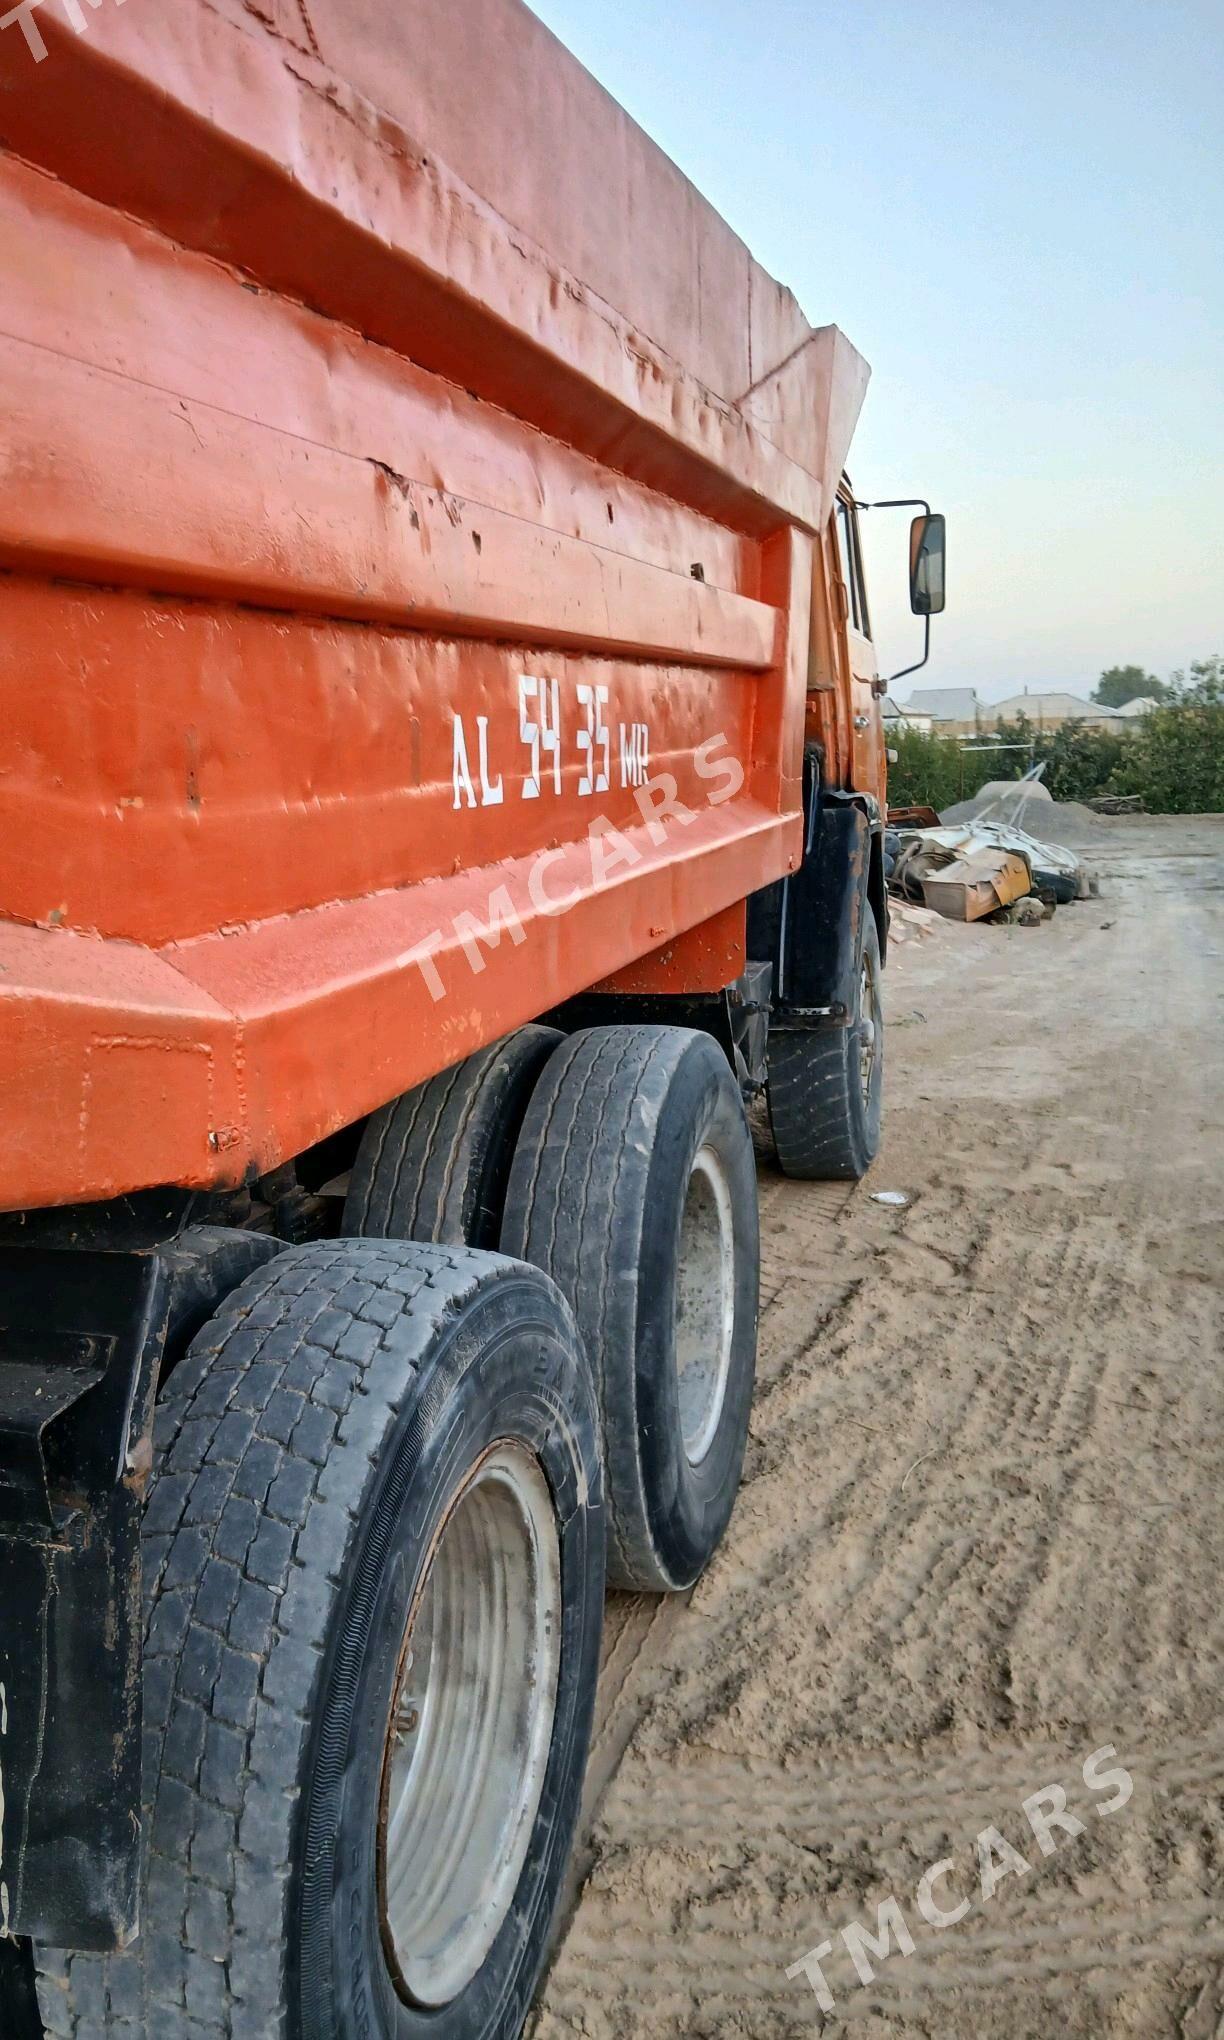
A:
(1068, 824)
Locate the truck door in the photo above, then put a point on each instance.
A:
(866, 729)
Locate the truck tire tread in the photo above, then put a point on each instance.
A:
(578, 1206)
(319, 1344)
(823, 1131)
(432, 1165)
(584, 1122)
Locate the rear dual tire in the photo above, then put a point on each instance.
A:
(434, 1164)
(370, 1440)
(634, 1187)
(620, 1162)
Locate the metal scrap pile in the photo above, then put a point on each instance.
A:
(988, 868)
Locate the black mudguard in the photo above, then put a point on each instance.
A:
(809, 926)
(88, 1319)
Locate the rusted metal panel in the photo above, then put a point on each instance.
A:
(228, 766)
(408, 615)
(250, 1045)
(118, 297)
(112, 481)
(676, 269)
(706, 959)
(283, 167)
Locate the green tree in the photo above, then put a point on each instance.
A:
(1080, 762)
(1174, 757)
(936, 772)
(1121, 684)
(1176, 760)
(1204, 685)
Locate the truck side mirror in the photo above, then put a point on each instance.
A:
(927, 552)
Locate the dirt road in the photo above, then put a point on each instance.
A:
(981, 1535)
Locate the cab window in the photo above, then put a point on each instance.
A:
(850, 560)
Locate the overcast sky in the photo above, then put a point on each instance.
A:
(1017, 215)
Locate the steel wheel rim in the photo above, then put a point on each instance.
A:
(705, 1304)
(867, 1029)
(470, 1728)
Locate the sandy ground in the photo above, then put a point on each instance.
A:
(980, 1536)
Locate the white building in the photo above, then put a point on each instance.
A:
(897, 718)
(1052, 711)
(950, 711)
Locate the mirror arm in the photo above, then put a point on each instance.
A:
(905, 503)
(919, 664)
(897, 503)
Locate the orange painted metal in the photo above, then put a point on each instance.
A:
(412, 580)
(704, 959)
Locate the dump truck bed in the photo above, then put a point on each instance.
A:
(407, 504)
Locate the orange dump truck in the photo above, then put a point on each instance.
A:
(441, 783)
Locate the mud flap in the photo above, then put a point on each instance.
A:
(83, 1333)
(810, 925)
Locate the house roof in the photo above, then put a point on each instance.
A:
(1143, 705)
(943, 704)
(1069, 707)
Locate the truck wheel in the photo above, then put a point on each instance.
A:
(375, 1569)
(433, 1165)
(634, 1187)
(825, 1089)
